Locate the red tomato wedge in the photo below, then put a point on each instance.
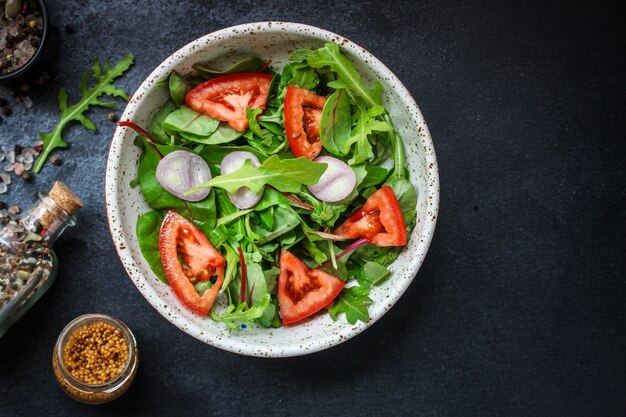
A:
(379, 220)
(187, 257)
(303, 113)
(303, 291)
(226, 98)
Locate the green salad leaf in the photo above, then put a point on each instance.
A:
(235, 317)
(347, 77)
(179, 87)
(286, 175)
(336, 123)
(184, 120)
(252, 64)
(148, 228)
(89, 96)
(353, 302)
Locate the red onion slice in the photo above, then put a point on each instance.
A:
(245, 198)
(180, 171)
(336, 183)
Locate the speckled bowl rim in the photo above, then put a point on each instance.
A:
(235, 345)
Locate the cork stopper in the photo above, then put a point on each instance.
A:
(67, 203)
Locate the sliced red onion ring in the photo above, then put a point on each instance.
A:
(244, 198)
(336, 183)
(180, 171)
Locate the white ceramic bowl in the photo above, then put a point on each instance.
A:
(275, 41)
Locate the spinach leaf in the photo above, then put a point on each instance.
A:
(252, 64)
(179, 88)
(190, 124)
(157, 131)
(336, 123)
(284, 220)
(201, 213)
(373, 273)
(258, 291)
(286, 175)
(353, 302)
(148, 228)
(223, 134)
(375, 175)
(407, 198)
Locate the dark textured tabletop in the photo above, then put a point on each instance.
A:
(519, 307)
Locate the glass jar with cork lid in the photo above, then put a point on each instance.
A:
(28, 265)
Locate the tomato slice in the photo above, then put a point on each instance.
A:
(303, 112)
(187, 257)
(379, 220)
(303, 291)
(226, 98)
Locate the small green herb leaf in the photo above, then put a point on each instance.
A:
(353, 302)
(286, 175)
(234, 317)
(89, 96)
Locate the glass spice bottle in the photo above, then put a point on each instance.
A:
(83, 348)
(28, 265)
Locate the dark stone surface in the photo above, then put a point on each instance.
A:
(519, 307)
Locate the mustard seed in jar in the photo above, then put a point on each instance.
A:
(95, 358)
(95, 353)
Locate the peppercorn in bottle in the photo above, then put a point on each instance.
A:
(28, 264)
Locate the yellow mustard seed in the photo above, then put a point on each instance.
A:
(95, 353)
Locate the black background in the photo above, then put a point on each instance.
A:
(519, 306)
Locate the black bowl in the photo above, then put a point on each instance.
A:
(44, 51)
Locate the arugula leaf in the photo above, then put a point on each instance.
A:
(148, 228)
(336, 123)
(347, 77)
(235, 317)
(365, 124)
(298, 74)
(258, 291)
(179, 87)
(353, 302)
(286, 175)
(89, 96)
(270, 142)
(252, 64)
(185, 120)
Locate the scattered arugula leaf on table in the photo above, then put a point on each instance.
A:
(89, 96)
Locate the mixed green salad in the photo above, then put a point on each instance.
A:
(273, 190)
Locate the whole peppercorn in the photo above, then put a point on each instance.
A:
(112, 116)
(70, 28)
(55, 160)
(26, 176)
(3, 205)
(6, 111)
(17, 149)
